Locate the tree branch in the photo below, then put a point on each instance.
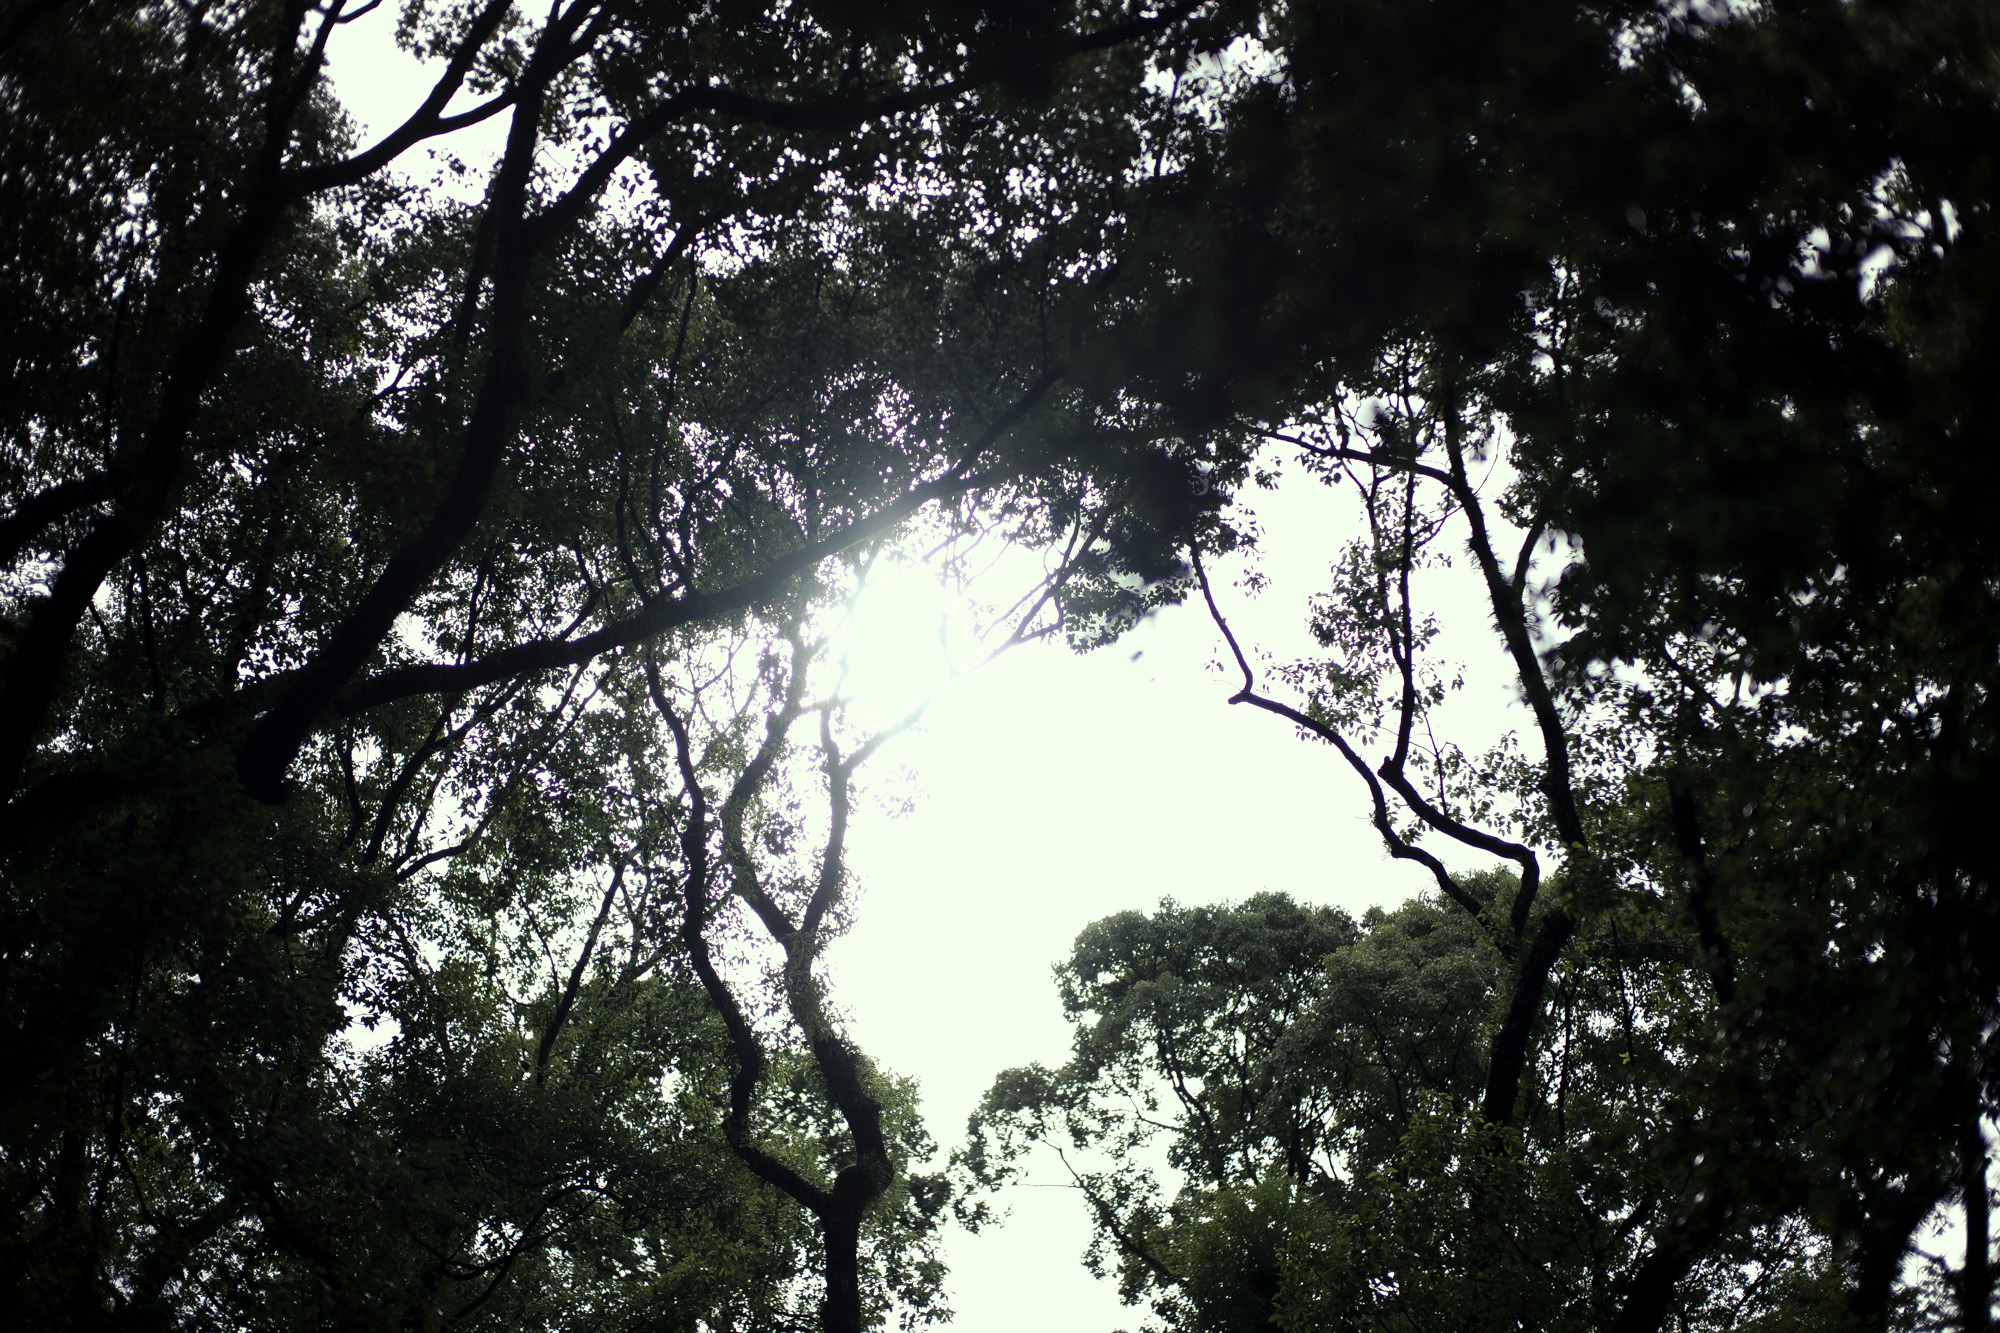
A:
(1398, 847)
(650, 622)
(1714, 945)
(1511, 617)
(427, 121)
(33, 515)
(567, 1001)
(277, 737)
(747, 1049)
(1107, 1217)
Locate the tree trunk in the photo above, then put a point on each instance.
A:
(1975, 1281)
(841, 1225)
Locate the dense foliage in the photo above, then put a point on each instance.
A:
(427, 775)
(1676, 321)
(1317, 1081)
(426, 779)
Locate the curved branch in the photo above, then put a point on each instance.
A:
(1399, 848)
(1518, 853)
(426, 122)
(745, 881)
(744, 1045)
(33, 515)
(1505, 595)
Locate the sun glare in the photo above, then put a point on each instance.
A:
(917, 624)
(896, 642)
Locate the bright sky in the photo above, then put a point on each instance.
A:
(1051, 790)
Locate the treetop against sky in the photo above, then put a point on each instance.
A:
(492, 497)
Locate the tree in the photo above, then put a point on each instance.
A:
(372, 555)
(375, 544)
(1700, 291)
(1318, 1082)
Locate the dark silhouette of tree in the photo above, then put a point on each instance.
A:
(377, 531)
(1674, 319)
(415, 604)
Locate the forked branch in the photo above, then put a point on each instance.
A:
(1399, 847)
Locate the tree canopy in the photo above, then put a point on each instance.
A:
(426, 765)
(417, 618)
(1667, 318)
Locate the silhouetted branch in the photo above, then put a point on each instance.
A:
(1399, 848)
(1714, 946)
(34, 514)
(427, 121)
